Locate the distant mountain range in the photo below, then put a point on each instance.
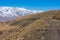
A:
(8, 13)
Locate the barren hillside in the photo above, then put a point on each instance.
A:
(41, 26)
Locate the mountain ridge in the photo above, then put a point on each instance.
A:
(14, 12)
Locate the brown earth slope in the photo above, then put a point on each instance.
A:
(42, 26)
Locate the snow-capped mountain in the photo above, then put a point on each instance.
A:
(8, 13)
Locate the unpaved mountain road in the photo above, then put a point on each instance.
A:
(54, 30)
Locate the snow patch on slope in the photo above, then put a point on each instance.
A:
(10, 13)
(13, 11)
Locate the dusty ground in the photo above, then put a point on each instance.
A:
(44, 26)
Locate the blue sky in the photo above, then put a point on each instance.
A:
(33, 4)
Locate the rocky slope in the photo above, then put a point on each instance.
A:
(44, 26)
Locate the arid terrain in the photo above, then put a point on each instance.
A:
(40, 26)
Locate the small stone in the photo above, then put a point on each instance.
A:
(43, 31)
(28, 35)
(43, 38)
(22, 38)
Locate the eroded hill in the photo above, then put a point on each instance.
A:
(42, 26)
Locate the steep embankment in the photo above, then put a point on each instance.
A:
(44, 26)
